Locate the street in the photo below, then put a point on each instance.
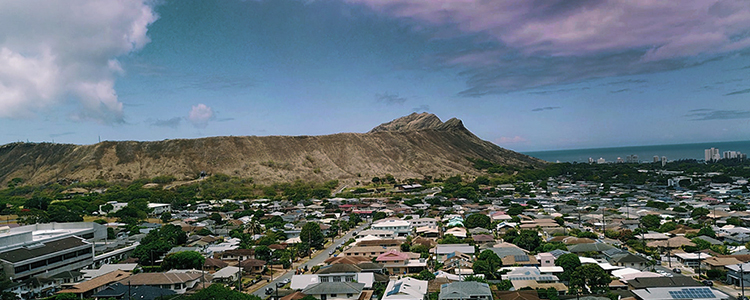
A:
(317, 258)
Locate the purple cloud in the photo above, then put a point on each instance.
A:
(526, 44)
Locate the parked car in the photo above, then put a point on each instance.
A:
(708, 283)
(285, 281)
(330, 252)
(677, 270)
(269, 290)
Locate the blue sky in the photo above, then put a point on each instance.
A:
(526, 75)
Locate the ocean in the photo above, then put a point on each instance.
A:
(645, 153)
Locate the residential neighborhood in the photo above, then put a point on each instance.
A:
(554, 238)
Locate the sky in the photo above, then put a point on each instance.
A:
(526, 75)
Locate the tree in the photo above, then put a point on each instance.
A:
(262, 252)
(405, 247)
(487, 263)
(166, 217)
(591, 276)
(183, 260)
(449, 239)
(651, 221)
(669, 226)
(312, 235)
(478, 220)
(707, 231)
(219, 291)
(699, 213)
(528, 239)
(569, 262)
(378, 215)
(426, 275)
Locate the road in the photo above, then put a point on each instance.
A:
(323, 255)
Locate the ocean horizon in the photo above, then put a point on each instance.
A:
(645, 153)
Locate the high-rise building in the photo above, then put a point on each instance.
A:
(663, 161)
(601, 160)
(619, 160)
(633, 159)
(591, 160)
(656, 158)
(711, 154)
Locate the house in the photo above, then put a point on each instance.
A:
(300, 282)
(88, 288)
(465, 290)
(406, 288)
(428, 231)
(227, 274)
(679, 293)
(629, 260)
(369, 251)
(443, 250)
(458, 232)
(123, 292)
(159, 208)
(652, 282)
(546, 259)
(396, 262)
(400, 227)
(719, 262)
(517, 295)
(335, 290)
(177, 282)
(252, 266)
(520, 260)
(430, 222)
(692, 260)
(738, 273)
(235, 254)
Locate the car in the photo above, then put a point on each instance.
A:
(330, 252)
(708, 283)
(677, 270)
(269, 290)
(285, 281)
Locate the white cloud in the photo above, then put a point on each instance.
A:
(200, 115)
(56, 50)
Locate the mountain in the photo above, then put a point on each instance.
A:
(413, 146)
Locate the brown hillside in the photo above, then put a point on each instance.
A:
(412, 146)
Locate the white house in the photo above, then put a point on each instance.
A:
(406, 288)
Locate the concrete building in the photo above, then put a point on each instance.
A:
(400, 227)
(48, 249)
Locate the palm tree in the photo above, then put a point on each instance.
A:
(254, 227)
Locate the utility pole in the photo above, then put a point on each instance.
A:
(742, 281)
(239, 278)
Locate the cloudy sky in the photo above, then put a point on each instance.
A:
(526, 75)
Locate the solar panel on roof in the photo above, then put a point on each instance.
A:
(395, 289)
(521, 257)
(692, 293)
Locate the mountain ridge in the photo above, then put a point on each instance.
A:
(413, 146)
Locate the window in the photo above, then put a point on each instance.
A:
(349, 295)
(337, 279)
(333, 295)
(349, 278)
(324, 279)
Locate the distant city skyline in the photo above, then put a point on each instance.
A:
(527, 76)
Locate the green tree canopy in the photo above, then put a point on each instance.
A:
(569, 262)
(478, 220)
(312, 235)
(183, 260)
(219, 291)
(528, 239)
(699, 212)
(590, 276)
(651, 222)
